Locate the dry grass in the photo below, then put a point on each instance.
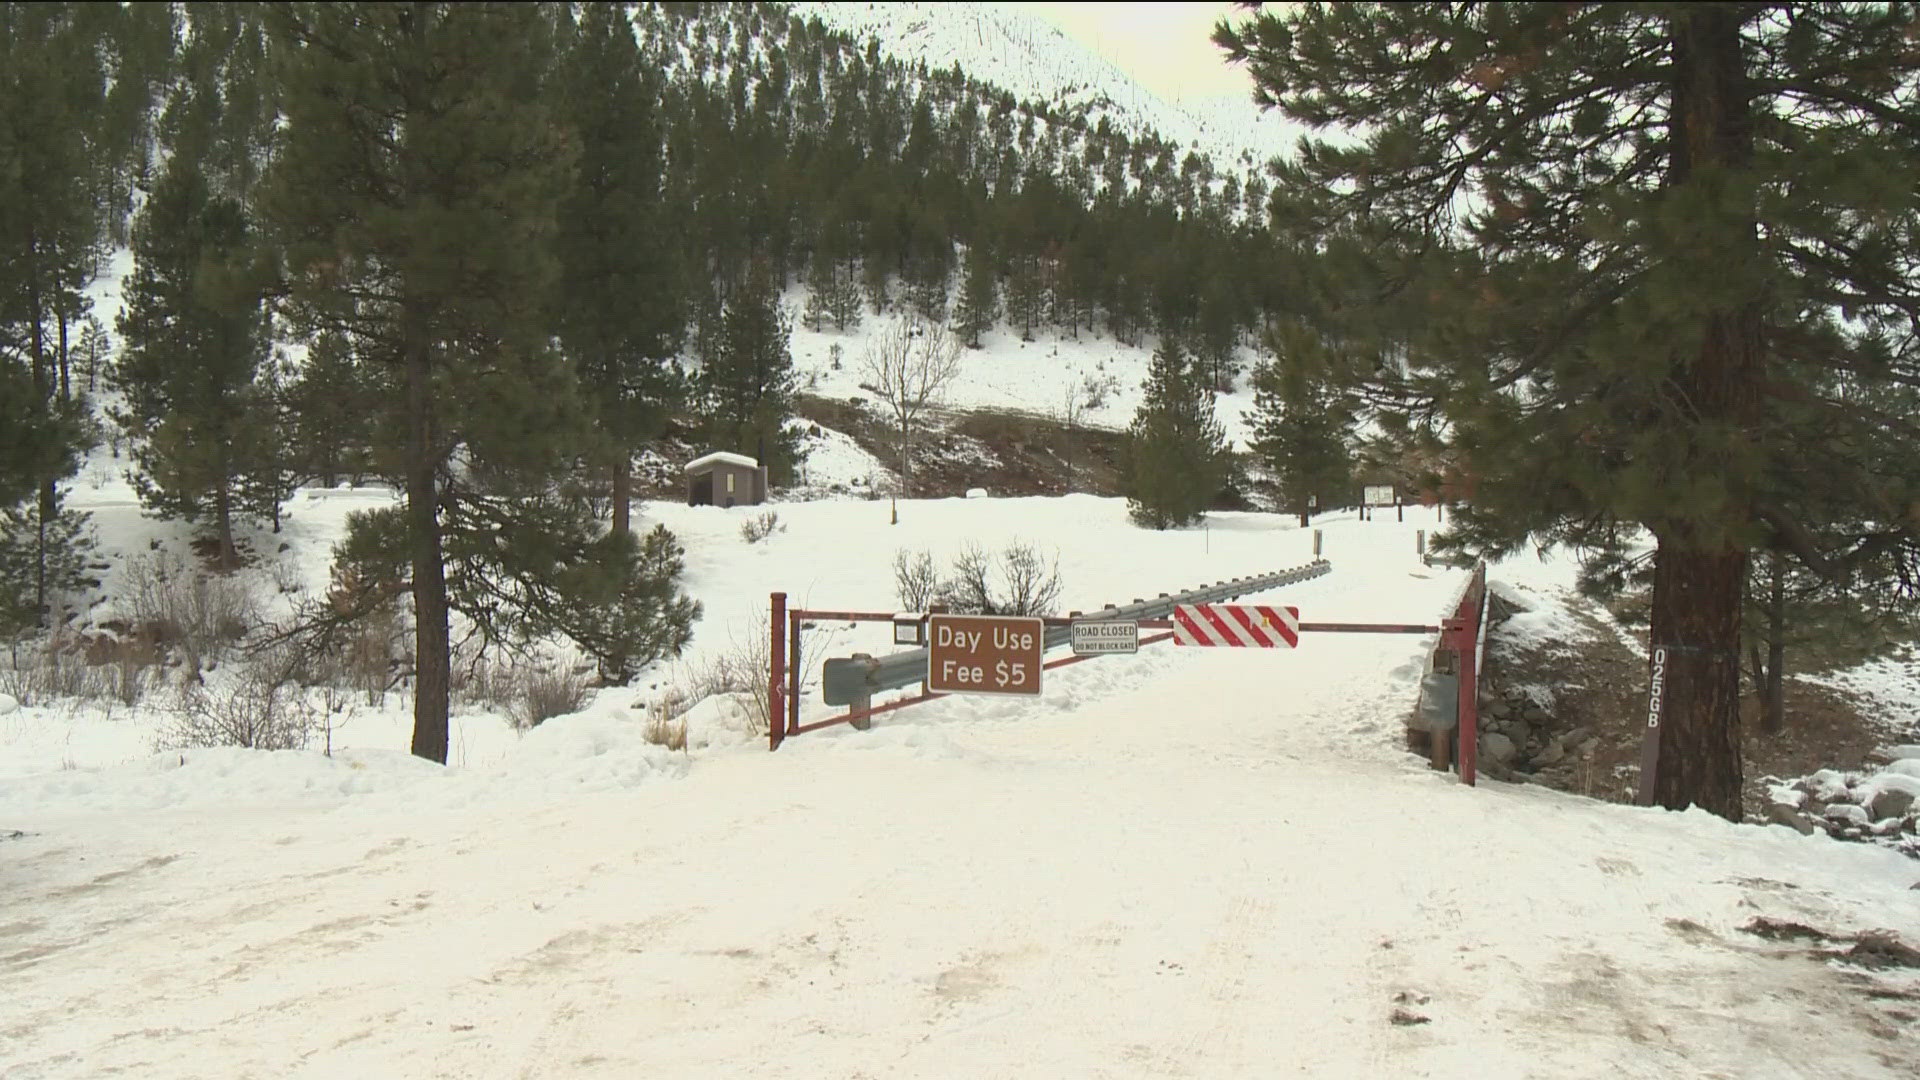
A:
(665, 729)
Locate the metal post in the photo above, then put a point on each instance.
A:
(861, 720)
(1657, 657)
(794, 668)
(1420, 543)
(776, 676)
(1316, 543)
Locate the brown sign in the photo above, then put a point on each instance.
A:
(984, 654)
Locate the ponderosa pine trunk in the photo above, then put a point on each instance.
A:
(622, 493)
(431, 637)
(1699, 578)
(1773, 713)
(43, 392)
(229, 554)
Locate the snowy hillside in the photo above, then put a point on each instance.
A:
(1031, 58)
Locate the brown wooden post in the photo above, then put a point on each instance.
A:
(776, 675)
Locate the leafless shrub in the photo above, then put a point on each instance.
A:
(915, 581)
(260, 708)
(40, 671)
(1033, 585)
(483, 682)
(1095, 389)
(199, 614)
(760, 526)
(1020, 582)
(545, 692)
(287, 579)
(969, 589)
(129, 679)
(908, 366)
(741, 671)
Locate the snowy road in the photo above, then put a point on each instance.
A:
(1189, 863)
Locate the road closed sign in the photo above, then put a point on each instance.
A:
(1105, 636)
(984, 654)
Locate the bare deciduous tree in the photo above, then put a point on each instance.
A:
(908, 366)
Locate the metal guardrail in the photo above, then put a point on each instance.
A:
(852, 680)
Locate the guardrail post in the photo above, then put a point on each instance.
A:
(1316, 543)
(862, 720)
(776, 675)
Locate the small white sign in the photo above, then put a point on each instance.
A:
(1378, 495)
(1105, 636)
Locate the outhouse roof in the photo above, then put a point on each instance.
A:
(721, 457)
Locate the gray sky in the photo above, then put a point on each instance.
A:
(1163, 46)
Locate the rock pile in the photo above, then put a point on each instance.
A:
(1520, 739)
(1882, 806)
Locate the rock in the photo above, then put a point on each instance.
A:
(1888, 802)
(1499, 749)
(1782, 814)
(1846, 814)
(1575, 737)
(1536, 715)
(1499, 710)
(8, 704)
(1550, 753)
(1827, 785)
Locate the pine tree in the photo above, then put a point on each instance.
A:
(620, 308)
(333, 400)
(820, 284)
(1176, 458)
(1302, 428)
(978, 307)
(190, 372)
(417, 209)
(748, 379)
(41, 557)
(1688, 325)
(93, 349)
(844, 301)
(54, 164)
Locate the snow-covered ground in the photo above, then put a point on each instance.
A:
(1186, 862)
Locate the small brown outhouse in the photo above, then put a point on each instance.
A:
(724, 479)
